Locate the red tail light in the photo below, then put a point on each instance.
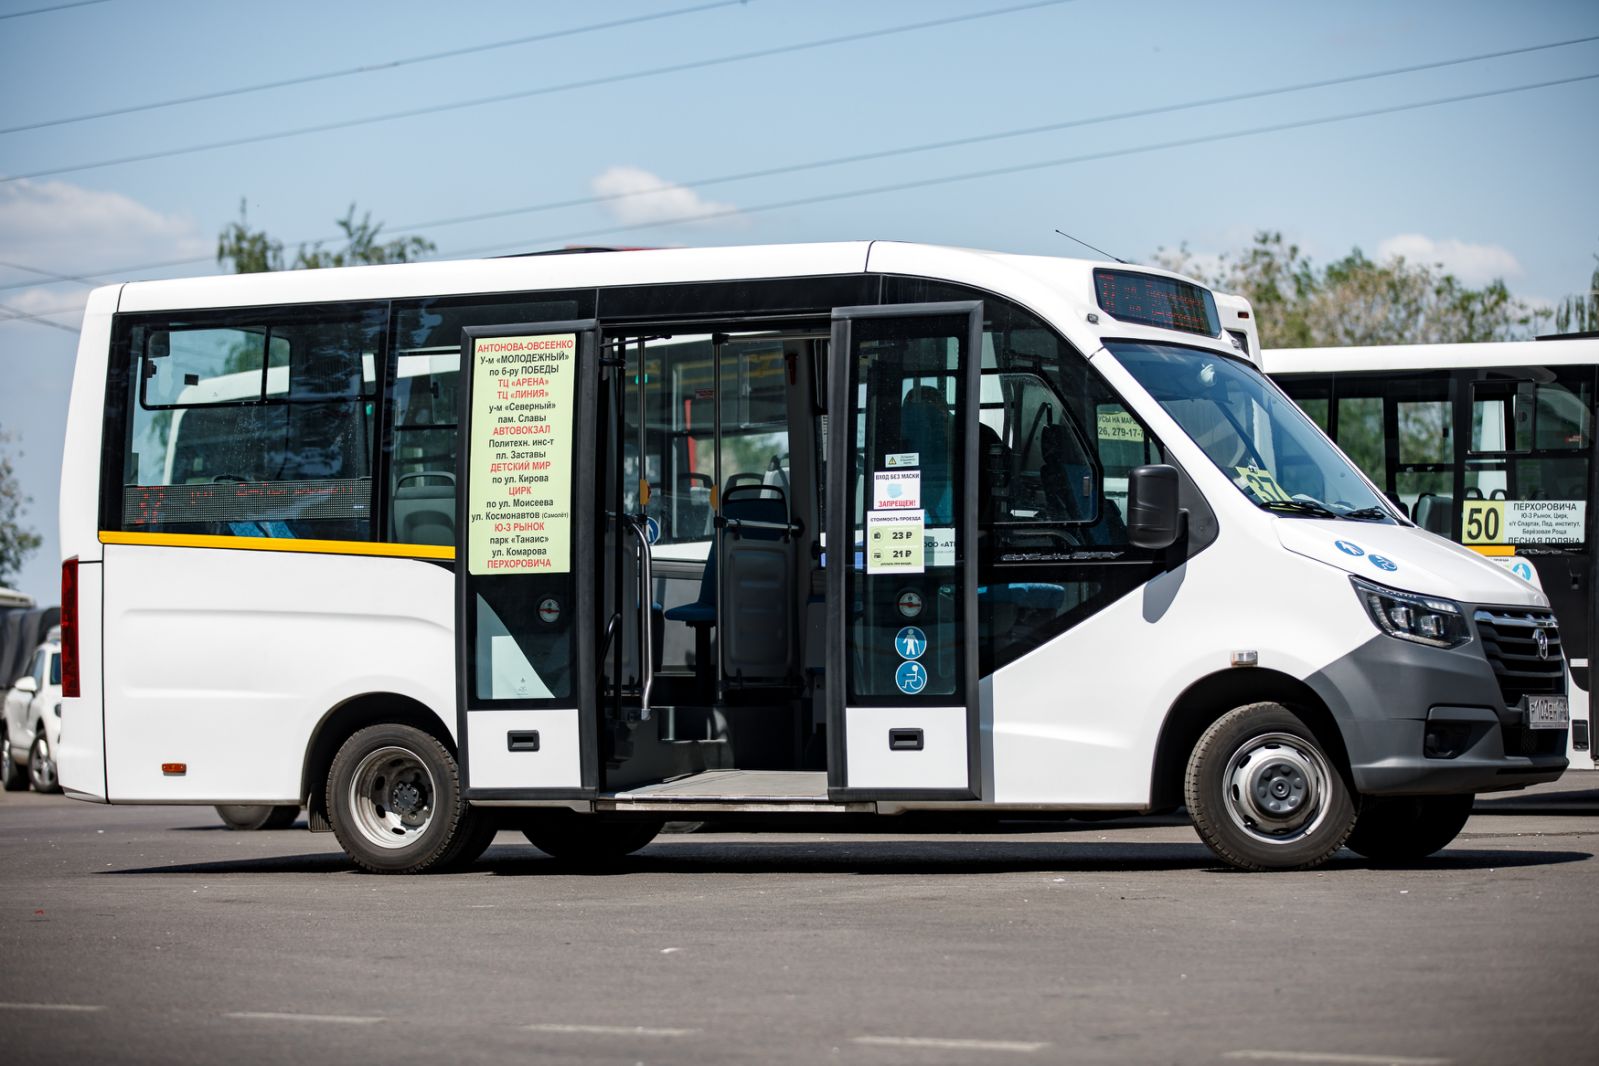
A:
(69, 628)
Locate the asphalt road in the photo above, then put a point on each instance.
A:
(154, 935)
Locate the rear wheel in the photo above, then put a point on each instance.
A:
(245, 817)
(587, 840)
(42, 765)
(394, 800)
(1408, 828)
(13, 778)
(1263, 794)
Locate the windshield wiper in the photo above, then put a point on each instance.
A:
(1306, 507)
(1366, 514)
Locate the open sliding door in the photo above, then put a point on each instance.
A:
(902, 685)
(525, 573)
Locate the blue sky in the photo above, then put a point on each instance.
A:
(1497, 186)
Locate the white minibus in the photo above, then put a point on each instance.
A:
(1490, 446)
(576, 544)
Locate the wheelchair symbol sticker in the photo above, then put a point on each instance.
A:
(1522, 569)
(910, 642)
(911, 678)
(1349, 549)
(1383, 562)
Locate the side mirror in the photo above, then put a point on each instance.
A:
(1153, 518)
(26, 684)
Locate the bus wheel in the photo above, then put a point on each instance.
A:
(586, 840)
(13, 778)
(246, 817)
(394, 800)
(1263, 794)
(42, 765)
(1408, 828)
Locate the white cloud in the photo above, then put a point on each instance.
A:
(643, 198)
(1473, 264)
(59, 228)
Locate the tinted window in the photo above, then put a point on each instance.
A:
(255, 424)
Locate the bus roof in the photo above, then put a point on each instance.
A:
(1551, 352)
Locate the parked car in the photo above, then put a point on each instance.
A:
(31, 728)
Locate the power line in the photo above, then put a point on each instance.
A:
(371, 67)
(586, 83)
(1018, 168)
(868, 156)
(981, 138)
(949, 179)
(47, 10)
(14, 314)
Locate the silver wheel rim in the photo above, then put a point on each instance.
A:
(42, 765)
(391, 797)
(1277, 788)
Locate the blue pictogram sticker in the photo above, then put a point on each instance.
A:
(911, 678)
(1383, 562)
(910, 642)
(652, 530)
(1348, 548)
(1522, 569)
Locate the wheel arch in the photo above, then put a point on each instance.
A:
(1212, 696)
(348, 718)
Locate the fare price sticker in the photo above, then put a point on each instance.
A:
(894, 542)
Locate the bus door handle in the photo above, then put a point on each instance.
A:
(639, 524)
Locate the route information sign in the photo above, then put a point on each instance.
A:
(519, 517)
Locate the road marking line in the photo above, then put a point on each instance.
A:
(607, 1030)
(1023, 1046)
(276, 1016)
(82, 1008)
(1335, 1057)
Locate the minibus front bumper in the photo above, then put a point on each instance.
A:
(1418, 720)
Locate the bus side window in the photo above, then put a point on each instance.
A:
(255, 424)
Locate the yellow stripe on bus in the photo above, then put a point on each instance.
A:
(277, 544)
(1493, 549)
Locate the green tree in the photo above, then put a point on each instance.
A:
(16, 541)
(1580, 314)
(1356, 301)
(252, 251)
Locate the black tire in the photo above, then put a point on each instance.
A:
(588, 841)
(248, 817)
(394, 801)
(473, 843)
(42, 765)
(1264, 794)
(13, 778)
(1400, 829)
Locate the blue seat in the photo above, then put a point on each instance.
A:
(702, 611)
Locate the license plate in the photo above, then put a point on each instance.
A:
(1547, 712)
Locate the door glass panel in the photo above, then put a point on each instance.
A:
(907, 490)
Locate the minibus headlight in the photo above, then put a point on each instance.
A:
(1421, 619)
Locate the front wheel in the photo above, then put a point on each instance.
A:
(586, 840)
(247, 817)
(42, 765)
(13, 778)
(394, 800)
(1401, 829)
(1263, 794)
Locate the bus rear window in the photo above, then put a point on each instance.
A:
(1150, 300)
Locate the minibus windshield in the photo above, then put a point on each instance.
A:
(1253, 432)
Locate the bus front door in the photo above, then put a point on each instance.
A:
(902, 683)
(526, 570)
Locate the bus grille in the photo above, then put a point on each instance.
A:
(1509, 640)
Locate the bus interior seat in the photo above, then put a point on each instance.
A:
(425, 513)
(757, 609)
(1435, 514)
